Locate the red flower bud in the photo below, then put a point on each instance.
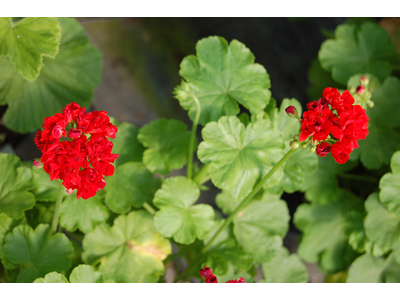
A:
(360, 89)
(292, 111)
(57, 131)
(37, 163)
(211, 279)
(364, 80)
(323, 149)
(205, 272)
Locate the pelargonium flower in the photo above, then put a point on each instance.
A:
(333, 124)
(76, 149)
(208, 276)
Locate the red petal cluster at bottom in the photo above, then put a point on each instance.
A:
(81, 157)
(207, 274)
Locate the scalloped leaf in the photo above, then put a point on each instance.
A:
(15, 181)
(133, 243)
(178, 217)
(83, 214)
(239, 156)
(71, 77)
(366, 269)
(324, 237)
(366, 50)
(168, 143)
(127, 145)
(80, 274)
(131, 185)
(260, 227)
(390, 186)
(322, 186)
(222, 76)
(284, 268)
(26, 41)
(38, 251)
(383, 139)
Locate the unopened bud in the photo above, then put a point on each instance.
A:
(292, 112)
(360, 89)
(370, 103)
(364, 80)
(304, 145)
(37, 163)
(312, 149)
(296, 137)
(70, 191)
(294, 144)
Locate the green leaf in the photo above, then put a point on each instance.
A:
(285, 268)
(322, 186)
(44, 190)
(357, 51)
(239, 156)
(324, 232)
(300, 164)
(168, 143)
(71, 77)
(80, 274)
(7, 225)
(131, 185)
(38, 251)
(85, 274)
(133, 243)
(178, 217)
(52, 277)
(260, 227)
(366, 269)
(382, 140)
(390, 186)
(381, 226)
(83, 214)
(222, 76)
(127, 145)
(15, 181)
(26, 42)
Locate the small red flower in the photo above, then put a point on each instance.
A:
(360, 89)
(211, 279)
(82, 160)
(240, 280)
(340, 152)
(206, 271)
(323, 149)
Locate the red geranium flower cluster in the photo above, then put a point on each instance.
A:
(76, 149)
(207, 274)
(334, 124)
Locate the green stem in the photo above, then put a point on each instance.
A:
(358, 177)
(243, 204)
(56, 215)
(148, 207)
(202, 175)
(193, 138)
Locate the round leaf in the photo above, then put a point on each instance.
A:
(357, 51)
(178, 217)
(260, 227)
(390, 186)
(222, 76)
(285, 268)
(366, 269)
(83, 214)
(131, 244)
(131, 185)
(15, 181)
(85, 274)
(52, 277)
(71, 77)
(26, 41)
(168, 143)
(38, 251)
(239, 156)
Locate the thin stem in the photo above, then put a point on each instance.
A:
(149, 209)
(243, 204)
(202, 175)
(193, 138)
(56, 215)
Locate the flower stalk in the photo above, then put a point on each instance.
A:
(57, 209)
(192, 146)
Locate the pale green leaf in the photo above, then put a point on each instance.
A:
(52, 277)
(26, 41)
(366, 269)
(239, 156)
(285, 268)
(38, 251)
(85, 274)
(15, 181)
(133, 243)
(168, 143)
(127, 145)
(221, 76)
(71, 77)
(83, 214)
(178, 217)
(131, 185)
(260, 227)
(366, 50)
(390, 186)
